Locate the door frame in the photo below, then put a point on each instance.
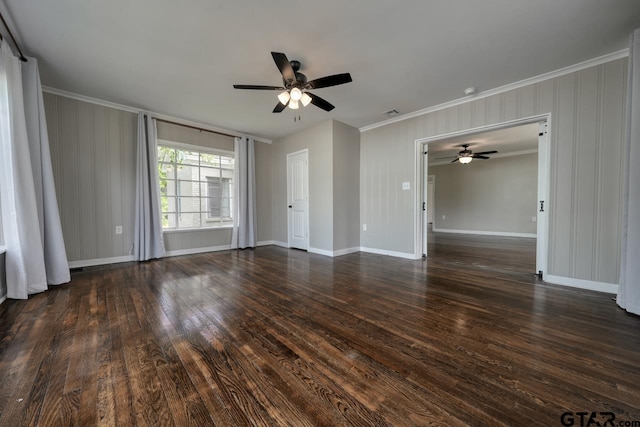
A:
(544, 179)
(306, 190)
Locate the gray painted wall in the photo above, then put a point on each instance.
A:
(93, 151)
(264, 205)
(191, 136)
(93, 155)
(588, 111)
(499, 194)
(318, 139)
(334, 157)
(346, 186)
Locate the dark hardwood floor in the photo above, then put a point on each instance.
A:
(281, 337)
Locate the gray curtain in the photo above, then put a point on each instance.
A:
(148, 240)
(32, 233)
(629, 290)
(244, 218)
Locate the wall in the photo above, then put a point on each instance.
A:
(496, 195)
(346, 186)
(93, 154)
(93, 151)
(318, 139)
(587, 109)
(263, 191)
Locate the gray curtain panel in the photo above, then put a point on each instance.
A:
(148, 240)
(244, 219)
(629, 290)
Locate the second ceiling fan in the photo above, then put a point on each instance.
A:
(295, 89)
(465, 156)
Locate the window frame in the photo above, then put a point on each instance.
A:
(206, 223)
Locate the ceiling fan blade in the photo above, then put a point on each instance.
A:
(319, 102)
(475, 156)
(284, 66)
(258, 87)
(486, 152)
(280, 107)
(334, 80)
(456, 160)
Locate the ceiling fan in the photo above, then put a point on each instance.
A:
(465, 156)
(295, 89)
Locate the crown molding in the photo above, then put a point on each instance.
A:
(131, 109)
(511, 86)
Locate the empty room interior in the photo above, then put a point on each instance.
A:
(327, 213)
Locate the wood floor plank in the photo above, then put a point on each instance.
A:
(272, 336)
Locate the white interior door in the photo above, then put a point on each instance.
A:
(542, 216)
(298, 199)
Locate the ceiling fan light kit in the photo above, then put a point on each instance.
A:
(465, 160)
(284, 97)
(296, 87)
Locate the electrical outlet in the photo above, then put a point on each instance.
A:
(118, 229)
(364, 227)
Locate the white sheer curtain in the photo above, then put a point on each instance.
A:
(31, 225)
(629, 290)
(148, 240)
(244, 218)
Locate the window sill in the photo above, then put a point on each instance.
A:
(190, 230)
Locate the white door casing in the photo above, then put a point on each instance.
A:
(431, 198)
(425, 199)
(544, 168)
(542, 219)
(298, 199)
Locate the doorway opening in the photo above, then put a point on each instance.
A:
(500, 195)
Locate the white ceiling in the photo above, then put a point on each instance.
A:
(181, 58)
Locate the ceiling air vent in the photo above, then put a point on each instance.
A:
(391, 113)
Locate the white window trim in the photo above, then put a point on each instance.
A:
(211, 223)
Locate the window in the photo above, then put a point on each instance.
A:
(196, 187)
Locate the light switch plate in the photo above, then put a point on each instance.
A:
(406, 185)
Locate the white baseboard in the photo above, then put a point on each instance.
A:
(101, 261)
(346, 251)
(339, 252)
(192, 251)
(485, 233)
(389, 253)
(324, 252)
(320, 251)
(3, 299)
(272, 243)
(609, 288)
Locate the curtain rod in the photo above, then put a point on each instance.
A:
(22, 57)
(194, 127)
